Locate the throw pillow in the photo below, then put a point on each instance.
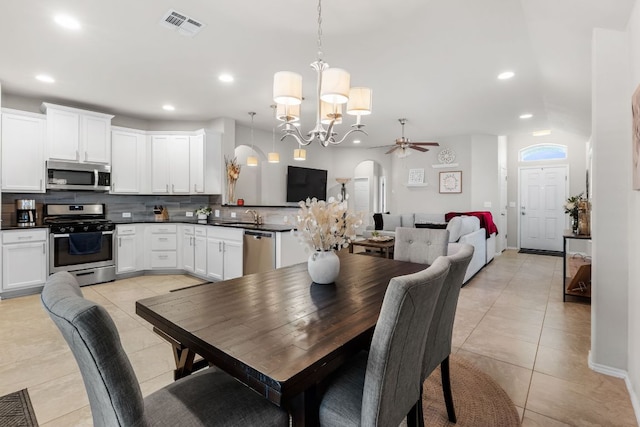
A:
(377, 220)
(391, 222)
(433, 225)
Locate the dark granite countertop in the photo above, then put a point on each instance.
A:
(17, 227)
(226, 223)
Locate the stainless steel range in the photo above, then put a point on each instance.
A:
(81, 242)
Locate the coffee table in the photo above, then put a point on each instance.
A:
(385, 247)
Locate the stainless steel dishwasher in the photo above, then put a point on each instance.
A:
(259, 251)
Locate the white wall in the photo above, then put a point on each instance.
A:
(611, 139)
(633, 337)
(485, 171)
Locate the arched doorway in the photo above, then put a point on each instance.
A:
(369, 190)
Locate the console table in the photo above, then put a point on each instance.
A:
(576, 271)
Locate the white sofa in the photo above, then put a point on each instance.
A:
(462, 229)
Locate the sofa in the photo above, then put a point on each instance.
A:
(462, 229)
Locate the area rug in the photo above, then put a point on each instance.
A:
(16, 410)
(540, 252)
(478, 399)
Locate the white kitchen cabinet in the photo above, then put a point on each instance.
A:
(161, 243)
(24, 259)
(23, 143)
(77, 135)
(170, 164)
(128, 161)
(196, 163)
(128, 258)
(188, 248)
(224, 253)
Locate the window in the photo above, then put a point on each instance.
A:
(543, 152)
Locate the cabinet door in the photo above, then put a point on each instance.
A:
(160, 164)
(127, 162)
(126, 254)
(188, 258)
(23, 141)
(179, 164)
(214, 259)
(63, 134)
(24, 265)
(232, 259)
(200, 251)
(95, 139)
(196, 163)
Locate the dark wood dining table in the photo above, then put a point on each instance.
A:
(276, 331)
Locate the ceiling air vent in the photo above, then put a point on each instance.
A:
(181, 22)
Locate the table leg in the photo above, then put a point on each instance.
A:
(183, 357)
(351, 247)
(305, 408)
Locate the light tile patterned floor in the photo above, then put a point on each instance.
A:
(511, 322)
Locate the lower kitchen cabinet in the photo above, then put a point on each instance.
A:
(224, 253)
(24, 259)
(163, 242)
(128, 251)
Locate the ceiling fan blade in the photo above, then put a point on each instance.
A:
(383, 146)
(435, 144)
(418, 148)
(393, 149)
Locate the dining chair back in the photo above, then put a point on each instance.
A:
(380, 388)
(438, 344)
(420, 245)
(208, 398)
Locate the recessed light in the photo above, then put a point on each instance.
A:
(168, 107)
(45, 78)
(227, 78)
(526, 116)
(506, 75)
(541, 132)
(68, 22)
(356, 141)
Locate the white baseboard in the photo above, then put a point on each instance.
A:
(619, 373)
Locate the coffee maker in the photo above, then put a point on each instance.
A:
(26, 212)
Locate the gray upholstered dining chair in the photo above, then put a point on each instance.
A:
(208, 398)
(438, 345)
(380, 387)
(420, 245)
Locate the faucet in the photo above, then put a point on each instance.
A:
(257, 219)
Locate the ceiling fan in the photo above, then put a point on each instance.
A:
(403, 143)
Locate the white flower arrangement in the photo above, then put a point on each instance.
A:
(324, 226)
(203, 211)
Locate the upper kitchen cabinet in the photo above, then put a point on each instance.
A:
(170, 164)
(77, 135)
(128, 161)
(23, 141)
(205, 164)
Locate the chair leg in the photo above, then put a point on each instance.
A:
(446, 389)
(412, 416)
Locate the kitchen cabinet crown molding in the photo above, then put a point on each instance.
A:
(46, 105)
(23, 113)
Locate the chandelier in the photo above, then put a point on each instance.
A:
(332, 92)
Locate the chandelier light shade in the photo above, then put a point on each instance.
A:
(290, 113)
(335, 86)
(359, 103)
(273, 157)
(287, 88)
(299, 154)
(332, 87)
(252, 160)
(329, 112)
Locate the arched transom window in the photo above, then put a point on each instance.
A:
(539, 152)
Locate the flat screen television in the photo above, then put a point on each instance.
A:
(303, 183)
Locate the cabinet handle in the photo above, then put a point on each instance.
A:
(44, 249)
(86, 156)
(195, 188)
(41, 183)
(163, 256)
(219, 246)
(25, 237)
(163, 239)
(119, 242)
(173, 188)
(77, 155)
(167, 187)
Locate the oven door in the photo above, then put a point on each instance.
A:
(64, 256)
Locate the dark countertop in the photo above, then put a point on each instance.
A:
(226, 223)
(17, 227)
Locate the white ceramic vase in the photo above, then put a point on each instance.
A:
(323, 267)
(202, 216)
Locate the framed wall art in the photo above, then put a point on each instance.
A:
(451, 182)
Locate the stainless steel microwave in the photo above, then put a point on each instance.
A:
(78, 176)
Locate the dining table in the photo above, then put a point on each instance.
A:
(277, 331)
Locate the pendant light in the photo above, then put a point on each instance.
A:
(299, 154)
(252, 160)
(273, 156)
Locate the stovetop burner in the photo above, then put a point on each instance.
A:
(76, 218)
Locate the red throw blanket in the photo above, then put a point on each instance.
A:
(485, 217)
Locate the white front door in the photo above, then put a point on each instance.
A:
(543, 192)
